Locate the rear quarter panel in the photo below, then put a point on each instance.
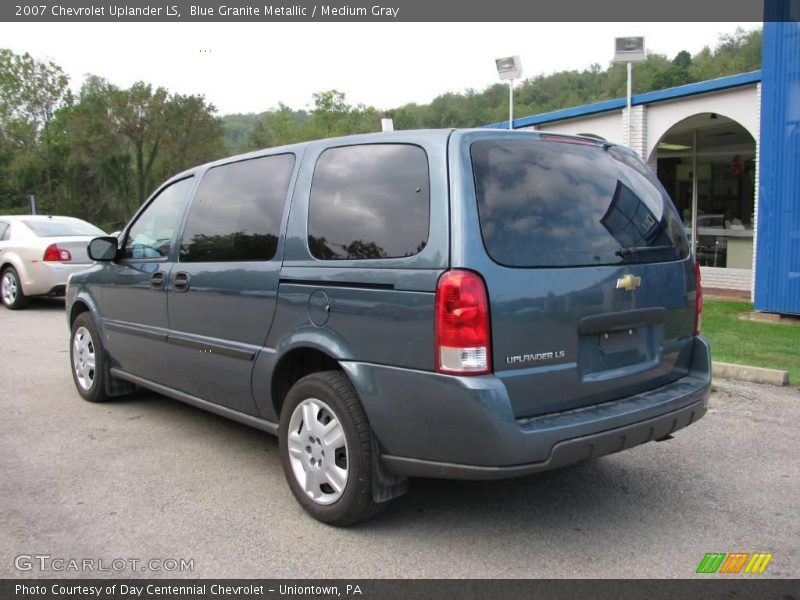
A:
(380, 310)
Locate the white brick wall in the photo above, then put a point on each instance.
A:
(638, 141)
(757, 136)
(728, 279)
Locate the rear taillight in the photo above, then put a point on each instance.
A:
(55, 254)
(462, 336)
(698, 309)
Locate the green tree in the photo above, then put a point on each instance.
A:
(30, 93)
(735, 53)
(140, 115)
(332, 116)
(193, 135)
(274, 128)
(164, 133)
(682, 59)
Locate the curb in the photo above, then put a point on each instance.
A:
(752, 374)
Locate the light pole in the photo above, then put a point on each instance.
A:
(509, 69)
(629, 50)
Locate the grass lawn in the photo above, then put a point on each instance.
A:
(771, 345)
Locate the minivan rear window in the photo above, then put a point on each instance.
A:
(555, 204)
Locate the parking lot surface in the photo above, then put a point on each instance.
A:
(146, 477)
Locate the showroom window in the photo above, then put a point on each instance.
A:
(712, 158)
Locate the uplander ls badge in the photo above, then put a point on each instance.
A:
(538, 357)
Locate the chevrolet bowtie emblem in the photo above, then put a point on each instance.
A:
(629, 282)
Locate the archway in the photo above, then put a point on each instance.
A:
(718, 205)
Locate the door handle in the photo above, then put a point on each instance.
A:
(157, 280)
(181, 281)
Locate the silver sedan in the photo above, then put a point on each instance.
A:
(39, 253)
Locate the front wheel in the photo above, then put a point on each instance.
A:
(87, 358)
(326, 449)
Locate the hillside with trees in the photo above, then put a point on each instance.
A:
(331, 115)
(97, 153)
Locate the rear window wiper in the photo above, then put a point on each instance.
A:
(626, 252)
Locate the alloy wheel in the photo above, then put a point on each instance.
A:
(318, 451)
(9, 288)
(83, 358)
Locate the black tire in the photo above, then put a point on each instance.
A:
(92, 387)
(355, 502)
(19, 299)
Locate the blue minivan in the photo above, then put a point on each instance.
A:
(454, 303)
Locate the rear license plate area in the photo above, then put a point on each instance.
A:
(618, 352)
(613, 342)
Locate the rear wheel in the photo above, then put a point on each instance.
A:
(87, 357)
(11, 290)
(326, 449)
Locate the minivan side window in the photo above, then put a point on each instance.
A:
(153, 233)
(237, 213)
(369, 201)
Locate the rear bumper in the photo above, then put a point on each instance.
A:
(42, 278)
(562, 453)
(432, 425)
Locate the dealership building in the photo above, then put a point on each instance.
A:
(734, 144)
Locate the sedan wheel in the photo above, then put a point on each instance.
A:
(11, 290)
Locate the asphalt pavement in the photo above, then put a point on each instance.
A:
(148, 478)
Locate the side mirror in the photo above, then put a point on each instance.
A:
(103, 248)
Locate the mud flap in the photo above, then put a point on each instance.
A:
(113, 385)
(385, 485)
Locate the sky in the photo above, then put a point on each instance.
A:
(251, 67)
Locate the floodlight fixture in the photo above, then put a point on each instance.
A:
(509, 68)
(629, 49)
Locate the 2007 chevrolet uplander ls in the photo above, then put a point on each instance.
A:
(465, 304)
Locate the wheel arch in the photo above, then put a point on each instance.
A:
(78, 307)
(14, 264)
(11, 262)
(80, 304)
(293, 365)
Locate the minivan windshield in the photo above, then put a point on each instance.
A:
(549, 203)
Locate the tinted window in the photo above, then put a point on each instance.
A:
(4, 231)
(237, 213)
(62, 228)
(550, 203)
(369, 201)
(153, 233)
